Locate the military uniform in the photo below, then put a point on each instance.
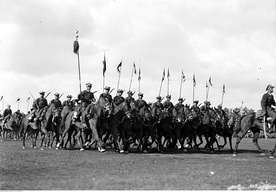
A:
(106, 95)
(266, 103)
(168, 104)
(206, 113)
(179, 105)
(57, 103)
(140, 103)
(68, 104)
(86, 98)
(129, 99)
(6, 115)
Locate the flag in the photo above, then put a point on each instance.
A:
(210, 81)
(1, 98)
(139, 74)
(223, 89)
(183, 77)
(17, 100)
(104, 65)
(76, 47)
(119, 67)
(194, 80)
(163, 76)
(168, 75)
(28, 99)
(134, 67)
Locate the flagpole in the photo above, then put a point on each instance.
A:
(139, 80)
(207, 91)
(3, 104)
(194, 87)
(76, 50)
(168, 83)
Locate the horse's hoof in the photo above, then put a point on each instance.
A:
(271, 157)
(58, 145)
(145, 151)
(41, 149)
(122, 151)
(262, 154)
(1, 140)
(57, 148)
(34, 147)
(82, 149)
(24, 147)
(101, 150)
(235, 155)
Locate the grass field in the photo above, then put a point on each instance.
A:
(34, 169)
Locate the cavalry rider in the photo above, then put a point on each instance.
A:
(129, 99)
(106, 95)
(195, 107)
(168, 105)
(205, 111)
(6, 114)
(267, 104)
(118, 99)
(222, 115)
(179, 106)
(39, 105)
(56, 102)
(69, 104)
(157, 106)
(140, 102)
(86, 97)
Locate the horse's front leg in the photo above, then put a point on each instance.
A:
(255, 141)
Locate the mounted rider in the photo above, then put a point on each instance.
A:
(168, 105)
(157, 106)
(267, 104)
(129, 99)
(179, 106)
(118, 99)
(6, 115)
(140, 102)
(56, 102)
(67, 107)
(222, 117)
(85, 98)
(205, 112)
(39, 106)
(106, 95)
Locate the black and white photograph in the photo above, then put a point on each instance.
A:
(137, 95)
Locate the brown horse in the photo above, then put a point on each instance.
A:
(92, 115)
(29, 128)
(50, 122)
(245, 123)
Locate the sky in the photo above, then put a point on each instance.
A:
(231, 41)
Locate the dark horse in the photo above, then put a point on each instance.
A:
(12, 125)
(245, 123)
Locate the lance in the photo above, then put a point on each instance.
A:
(111, 90)
(207, 91)
(2, 99)
(34, 100)
(104, 69)
(168, 83)
(194, 84)
(119, 68)
(28, 101)
(163, 76)
(18, 100)
(139, 80)
(132, 75)
(181, 80)
(47, 95)
(223, 92)
(61, 95)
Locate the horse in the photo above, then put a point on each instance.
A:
(92, 115)
(51, 119)
(29, 128)
(12, 125)
(207, 129)
(119, 122)
(161, 123)
(246, 123)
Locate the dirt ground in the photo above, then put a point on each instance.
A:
(34, 169)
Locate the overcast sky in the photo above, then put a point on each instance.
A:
(231, 41)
